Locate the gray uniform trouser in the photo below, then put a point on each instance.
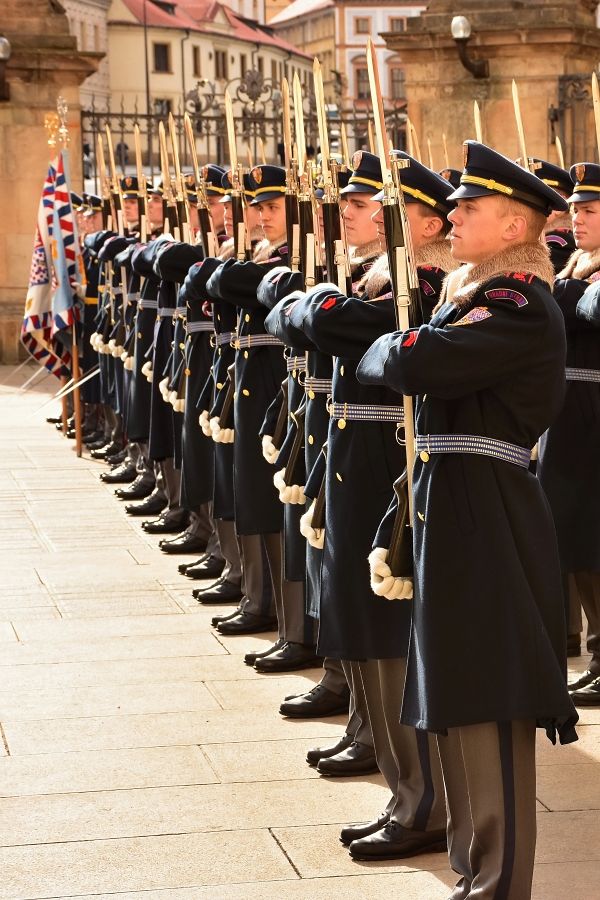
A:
(489, 776)
(334, 678)
(289, 596)
(586, 587)
(172, 486)
(358, 725)
(407, 758)
(227, 548)
(256, 582)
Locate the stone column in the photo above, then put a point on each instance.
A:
(44, 63)
(533, 42)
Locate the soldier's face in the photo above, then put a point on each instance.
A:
(194, 220)
(272, 218)
(253, 222)
(228, 219)
(586, 224)
(357, 213)
(155, 210)
(217, 213)
(130, 211)
(377, 218)
(480, 229)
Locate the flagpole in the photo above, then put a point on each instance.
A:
(63, 132)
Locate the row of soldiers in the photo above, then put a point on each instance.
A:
(261, 416)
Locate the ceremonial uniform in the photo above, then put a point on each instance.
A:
(489, 374)
(558, 233)
(569, 451)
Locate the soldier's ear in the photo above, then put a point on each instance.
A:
(515, 229)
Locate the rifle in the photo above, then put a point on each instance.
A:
(291, 182)
(181, 200)
(405, 288)
(142, 192)
(207, 230)
(310, 247)
(336, 256)
(318, 516)
(280, 429)
(241, 236)
(297, 444)
(107, 214)
(169, 203)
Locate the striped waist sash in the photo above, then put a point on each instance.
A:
(426, 444)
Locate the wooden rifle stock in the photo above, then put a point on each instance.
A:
(280, 429)
(318, 519)
(400, 551)
(297, 445)
(227, 407)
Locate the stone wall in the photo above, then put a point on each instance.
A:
(44, 63)
(534, 43)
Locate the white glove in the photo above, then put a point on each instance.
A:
(127, 361)
(269, 450)
(179, 404)
(218, 434)
(117, 350)
(147, 370)
(535, 452)
(163, 387)
(172, 398)
(288, 493)
(203, 419)
(314, 536)
(383, 583)
(93, 339)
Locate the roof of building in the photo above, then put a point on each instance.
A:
(200, 15)
(300, 8)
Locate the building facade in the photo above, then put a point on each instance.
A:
(88, 24)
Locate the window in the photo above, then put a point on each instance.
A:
(362, 25)
(274, 67)
(260, 65)
(363, 91)
(162, 107)
(221, 64)
(397, 23)
(84, 32)
(243, 64)
(397, 84)
(97, 38)
(196, 61)
(162, 57)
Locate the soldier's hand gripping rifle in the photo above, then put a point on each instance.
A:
(208, 234)
(405, 288)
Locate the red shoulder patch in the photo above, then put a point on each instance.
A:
(521, 276)
(327, 304)
(410, 339)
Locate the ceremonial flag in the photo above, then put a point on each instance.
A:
(69, 274)
(36, 329)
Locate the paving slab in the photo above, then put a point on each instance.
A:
(284, 761)
(66, 870)
(164, 730)
(68, 773)
(101, 815)
(105, 700)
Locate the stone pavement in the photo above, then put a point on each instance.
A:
(139, 756)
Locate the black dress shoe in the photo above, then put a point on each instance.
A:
(53, 420)
(289, 658)
(250, 658)
(357, 832)
(393, 841)
(583, 681)
(212, 567)
(151, 505)
(183, 543)
(139, 489)
(247, 623)
(105, 450)
(164, 524)
(315, 754)
(221, 592)
(117, 458)
(93, 439)
(317, 703)
(123, 474)
(232, 615)
(587, 696)
(183, 567)
(357, 759)
(98, 444)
